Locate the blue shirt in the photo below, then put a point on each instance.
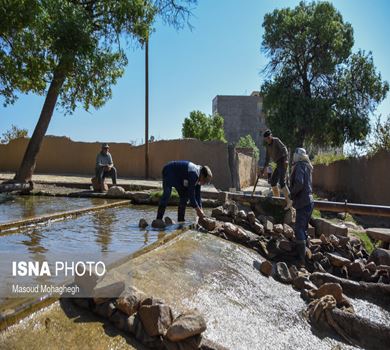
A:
(184, 176)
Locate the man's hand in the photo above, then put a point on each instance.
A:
(200, 213)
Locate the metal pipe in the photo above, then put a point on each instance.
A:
(337, 207)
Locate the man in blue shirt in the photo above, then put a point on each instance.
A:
(187, 178)
(105, 166)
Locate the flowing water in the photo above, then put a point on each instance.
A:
(243, 309)
(14, 208)
(106, 235)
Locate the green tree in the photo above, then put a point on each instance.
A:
(12, 134)
(316, 91)
(71, 51)
(248, 142)
(202, 127)
(380, 136)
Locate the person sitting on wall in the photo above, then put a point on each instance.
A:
(105, 166)
(302, 197)
(277, 151)
(187, 178)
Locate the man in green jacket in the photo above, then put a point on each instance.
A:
(278, 152)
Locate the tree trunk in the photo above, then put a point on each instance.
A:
(27, 167)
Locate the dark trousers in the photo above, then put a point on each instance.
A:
(279, 174)
(101, 174)
(167, 190)
(302, 221)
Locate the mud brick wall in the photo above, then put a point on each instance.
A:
(61, 155)
(361, 180)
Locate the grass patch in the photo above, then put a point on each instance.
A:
(366, 241)
(158, 194)
(316, 214)
(328, 158)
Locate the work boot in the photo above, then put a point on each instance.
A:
(160, 212)
(301, 249)
(287, 198)
(275, 191)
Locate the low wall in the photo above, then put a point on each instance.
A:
(61, 155)
(361, 180)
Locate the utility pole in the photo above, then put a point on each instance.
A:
(147, 108)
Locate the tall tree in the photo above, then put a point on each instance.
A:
(316, 91)
(72, 52)
(202, 127)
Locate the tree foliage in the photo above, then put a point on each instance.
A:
(248, 142)
(72, 51)
(202, 127)
(316, 90)
(12, 134)
(380, 136)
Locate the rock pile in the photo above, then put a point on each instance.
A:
(334, 262)
(150, 320)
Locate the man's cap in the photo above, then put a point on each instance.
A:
(267, 133)
(105, 145)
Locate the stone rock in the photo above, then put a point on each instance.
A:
(143, 223)
(192, 343)
(110, 286)
(379, 234)
(266, 268)
(333, 289)
(355, 270)
(311, 231)
(217, 212)
(231, 209)
(324, 239)
(185, 326)
(258, 228)
(337, 260)
(234, 232)
(282, 273)
(288, 232)
(286, 246)
(371, 267)
(328, 228)
(380, 256)
(119, 319)
(334, 240)
(290, 216)
(104, 310)
(278, 228)
(156, 318)
(116, 191)
(152, 301)
(157, 223)
(268, 226)
(242, 215)
(293, 271)
(208, 223)
(318, 256)
(251, 217)
(168, 221)
(138, 197)
(130, 300)
(85, 281)
(302, 282)
(137, 328)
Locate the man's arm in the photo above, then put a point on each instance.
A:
(298, 181)
(283, 149)
(192, 189)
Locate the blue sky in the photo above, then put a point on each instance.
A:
(220, 56)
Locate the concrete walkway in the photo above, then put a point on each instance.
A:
(83, 180)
